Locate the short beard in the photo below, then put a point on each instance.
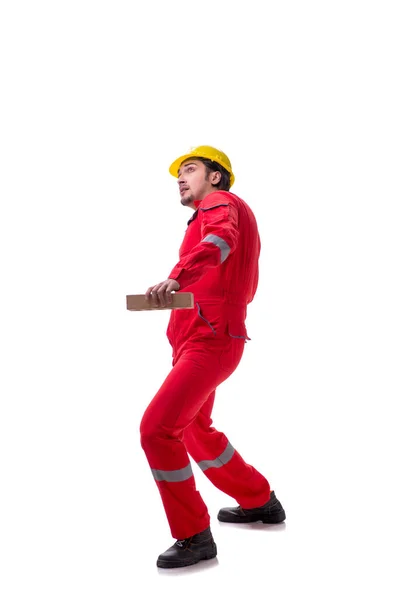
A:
(187, 200)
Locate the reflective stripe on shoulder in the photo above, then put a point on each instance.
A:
(220, 461)
(222, 245)
(173, 476)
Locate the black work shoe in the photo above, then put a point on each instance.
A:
(271, 512)
(189, 551)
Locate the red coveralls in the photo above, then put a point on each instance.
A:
(219, 264)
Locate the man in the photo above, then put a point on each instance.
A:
(219, 265)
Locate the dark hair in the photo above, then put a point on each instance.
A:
(225, 181)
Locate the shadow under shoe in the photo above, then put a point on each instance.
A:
(271, 512)
(189, 551)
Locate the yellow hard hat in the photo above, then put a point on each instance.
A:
(204, 152)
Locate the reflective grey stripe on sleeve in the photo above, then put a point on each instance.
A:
(220, 461)
(173, 476)
(222, 245)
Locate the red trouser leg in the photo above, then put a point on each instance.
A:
(176, 407)
(221, 463)
(190, 382)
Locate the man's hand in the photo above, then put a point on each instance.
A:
(160, 294)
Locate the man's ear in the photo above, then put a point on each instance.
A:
(216, 177)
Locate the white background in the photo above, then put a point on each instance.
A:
(97, 99)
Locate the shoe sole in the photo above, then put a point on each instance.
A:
(267, 519)
(174, 565)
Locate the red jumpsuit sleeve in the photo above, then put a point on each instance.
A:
(219, 237)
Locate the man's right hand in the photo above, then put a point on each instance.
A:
(161, 294)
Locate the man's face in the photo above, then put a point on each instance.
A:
(192, 181)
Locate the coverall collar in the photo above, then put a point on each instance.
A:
(192, 218)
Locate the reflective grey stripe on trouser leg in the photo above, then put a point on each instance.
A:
(173, 476)
(222, 245)
(220, 461)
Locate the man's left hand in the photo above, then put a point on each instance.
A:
(161, 293)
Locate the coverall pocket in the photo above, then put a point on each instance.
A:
(237, 329)
(210, 318)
